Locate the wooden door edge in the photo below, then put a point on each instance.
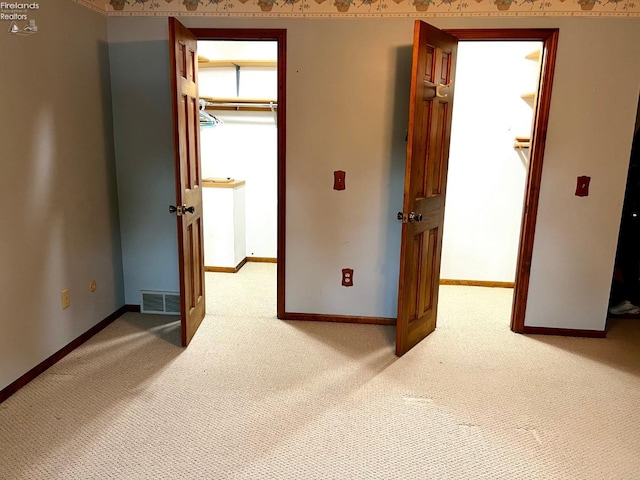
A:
(321, 317)
(173, 25)
(282, 171)
(549, 39)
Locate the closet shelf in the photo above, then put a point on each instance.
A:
(215, 183)
(250, 104)
(206, 63)
(535, 55)
(530, 98)
(522, 142)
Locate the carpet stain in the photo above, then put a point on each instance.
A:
(417, 400)
(468, 425)
(533, 432)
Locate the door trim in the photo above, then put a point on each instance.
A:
(549, 39)
(565, 332)
(280, 36)
(321, 317)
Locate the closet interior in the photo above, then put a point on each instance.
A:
(238, 88)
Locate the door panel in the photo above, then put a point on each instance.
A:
(430, 107)
(184, 76)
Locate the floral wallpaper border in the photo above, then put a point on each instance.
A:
(365, 8)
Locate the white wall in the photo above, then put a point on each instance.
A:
(220, 82)
(57, 187)
(590, 133)
(255, 82)
(348, 82)
(487, 175)
(245, 148)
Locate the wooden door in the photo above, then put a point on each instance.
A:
(430, 108)
(186, 129)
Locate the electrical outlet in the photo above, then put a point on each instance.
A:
(347, 277)
(66, 299)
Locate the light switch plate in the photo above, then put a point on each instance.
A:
(582, 188)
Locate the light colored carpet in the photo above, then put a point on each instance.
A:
(249, 293)
(254, 397)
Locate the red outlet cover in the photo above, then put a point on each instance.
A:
(582, 189)
(347, 277)
(338, 180)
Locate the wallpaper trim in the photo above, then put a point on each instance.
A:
(365, 8)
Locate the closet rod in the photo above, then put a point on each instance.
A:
(243, 104)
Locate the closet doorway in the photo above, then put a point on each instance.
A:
(242, 158)
(492, 125)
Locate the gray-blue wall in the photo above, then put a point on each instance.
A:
(143, 133)
(60, 227)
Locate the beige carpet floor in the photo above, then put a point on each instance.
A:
(254, 397)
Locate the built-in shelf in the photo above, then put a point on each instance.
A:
(535, 55)
(250, 104)
(237, 103)
(266, 101)
(221, 183)
(522, 142)
(530, 98)
(206, 63)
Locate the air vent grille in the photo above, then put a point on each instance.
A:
(163, 303)
(172, 303)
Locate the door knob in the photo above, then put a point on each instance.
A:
(181, 210)
(415, 217)
(412, 217)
